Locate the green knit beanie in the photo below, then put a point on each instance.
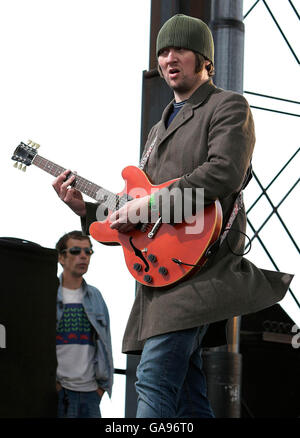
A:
(186, 32)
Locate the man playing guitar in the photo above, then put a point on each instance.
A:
(205, 140)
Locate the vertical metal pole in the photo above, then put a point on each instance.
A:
(233, 334)
(223, 368)
(228, 32)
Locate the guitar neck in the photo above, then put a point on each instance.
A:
(83, 185)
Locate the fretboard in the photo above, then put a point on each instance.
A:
(83, 185)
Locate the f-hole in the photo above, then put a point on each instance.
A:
(139, 254)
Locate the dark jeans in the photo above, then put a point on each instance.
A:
(75, 404)
(171, 383)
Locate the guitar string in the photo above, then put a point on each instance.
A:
(112, 200)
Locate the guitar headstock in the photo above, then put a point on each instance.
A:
(24, 154)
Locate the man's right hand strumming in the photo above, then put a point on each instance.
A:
(68, 194)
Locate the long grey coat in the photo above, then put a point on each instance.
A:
(209, 144)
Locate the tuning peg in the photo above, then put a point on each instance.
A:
(32, 144)
(24, 168)
(20, 166)
(16, 164)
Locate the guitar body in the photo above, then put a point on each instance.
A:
(156, 260)
(149, 260)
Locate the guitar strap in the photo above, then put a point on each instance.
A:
(146, 156)
(238, 204)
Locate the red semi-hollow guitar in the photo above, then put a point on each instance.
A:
(157, 255)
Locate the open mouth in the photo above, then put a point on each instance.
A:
(173, 72)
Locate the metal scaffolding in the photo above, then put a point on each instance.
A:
(294, 184)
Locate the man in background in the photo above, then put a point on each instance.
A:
(83, 341)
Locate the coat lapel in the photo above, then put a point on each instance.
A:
(186, 113)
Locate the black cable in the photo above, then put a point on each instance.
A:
(242, 232)
(179, 262)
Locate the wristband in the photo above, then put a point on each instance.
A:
(152, 201)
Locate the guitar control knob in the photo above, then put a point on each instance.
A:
(148, 278)
(162, 270)
(137, 267)
(152, 258)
